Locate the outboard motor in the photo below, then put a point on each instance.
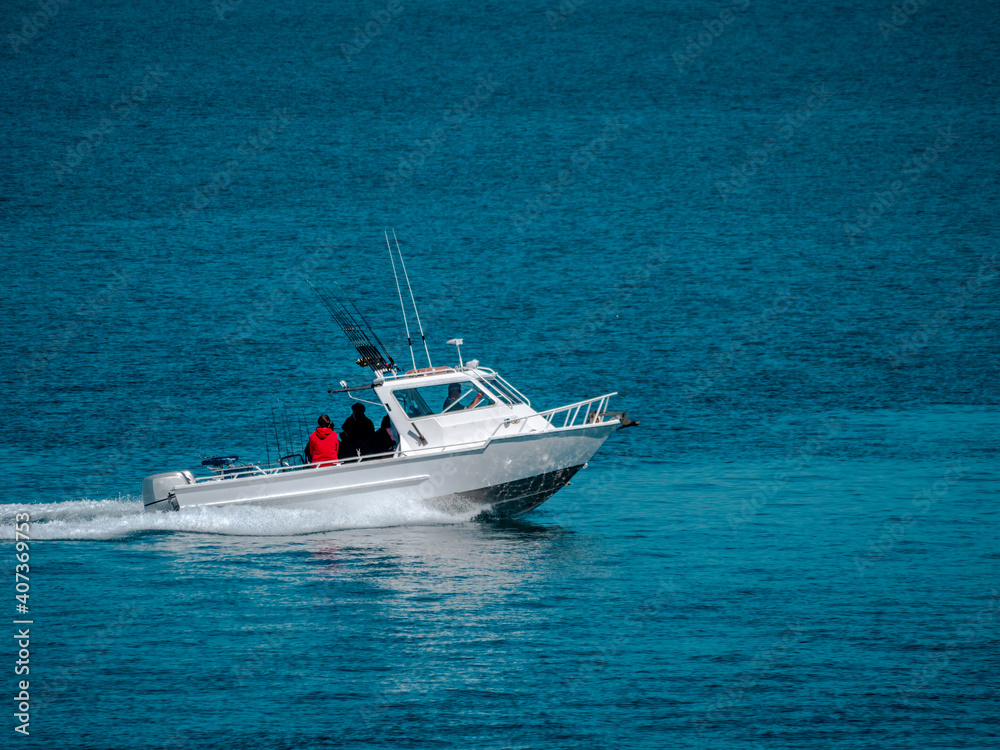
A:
(157, 489)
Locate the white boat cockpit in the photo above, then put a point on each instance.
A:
(443, 406)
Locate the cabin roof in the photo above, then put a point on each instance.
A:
(430, 375)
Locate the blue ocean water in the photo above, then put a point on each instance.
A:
(771, 228)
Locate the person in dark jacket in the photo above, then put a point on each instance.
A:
(323, 443)
(384, 439)
(454, 394)
(357, 430)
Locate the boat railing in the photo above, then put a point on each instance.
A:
(259, 469)
(588, 412)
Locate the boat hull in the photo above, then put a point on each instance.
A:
(511, 498)
(502, 477)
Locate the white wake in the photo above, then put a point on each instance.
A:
(124, 516)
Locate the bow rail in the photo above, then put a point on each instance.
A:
(588, 412)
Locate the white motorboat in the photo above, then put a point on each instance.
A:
(485, 452)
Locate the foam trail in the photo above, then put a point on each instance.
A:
(124, 517)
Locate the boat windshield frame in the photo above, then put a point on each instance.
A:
(510, 395)
(496, 386)
(417, 399)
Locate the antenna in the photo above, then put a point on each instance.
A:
(409, 341)
(458, 345)
(415, 311)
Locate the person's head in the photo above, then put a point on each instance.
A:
(324, 421)
(358, 409)
(454, 390)
(386, 422)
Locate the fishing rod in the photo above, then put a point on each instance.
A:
(374, 335)
(409, 341)
(415, 311)
(267, 444)
(374, 356)
(284, 420)
(267, 440)
(274, 425)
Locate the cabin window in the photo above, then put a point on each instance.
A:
(446, 398)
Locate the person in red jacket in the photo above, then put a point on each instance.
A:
(323, 443)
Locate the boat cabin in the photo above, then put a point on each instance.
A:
(446, 406)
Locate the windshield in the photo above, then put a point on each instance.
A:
(505, 390)
(445, 398)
